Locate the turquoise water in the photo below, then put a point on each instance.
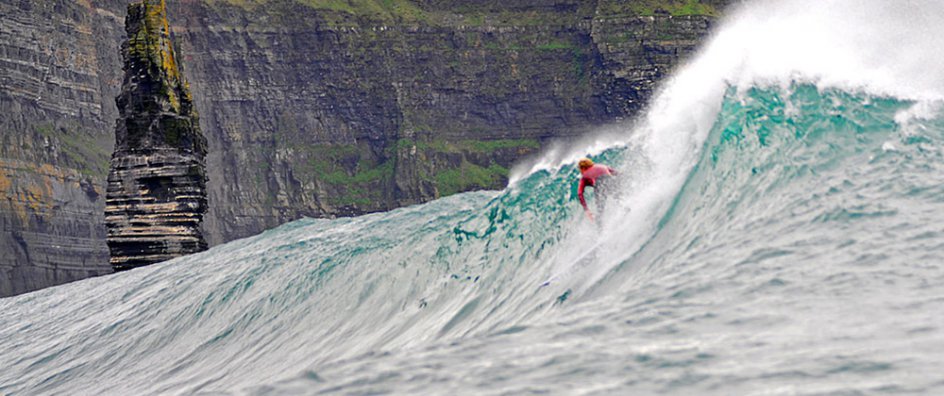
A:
(775, 239)
(802, 256)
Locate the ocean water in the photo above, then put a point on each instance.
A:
(776, 229)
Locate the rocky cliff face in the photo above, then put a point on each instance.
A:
(319, 108)
(156, 194)
(59, 74)
(319, 112)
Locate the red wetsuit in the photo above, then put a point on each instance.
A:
(589, 178)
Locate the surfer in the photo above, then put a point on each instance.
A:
(589, 173)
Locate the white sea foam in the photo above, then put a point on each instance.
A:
(878, 48)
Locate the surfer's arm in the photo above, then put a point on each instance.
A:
(611, 171)
(583, 201)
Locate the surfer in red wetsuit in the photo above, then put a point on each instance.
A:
(589, 173)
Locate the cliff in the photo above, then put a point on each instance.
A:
(322, 110)
(59, 74)
(316, 108)
(156, 194)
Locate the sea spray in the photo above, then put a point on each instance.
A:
(871, 47)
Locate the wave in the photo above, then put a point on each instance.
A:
(777, 205)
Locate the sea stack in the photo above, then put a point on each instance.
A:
(156, 194)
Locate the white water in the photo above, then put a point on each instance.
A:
(880, 48)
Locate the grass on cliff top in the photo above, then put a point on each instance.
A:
(656, 7)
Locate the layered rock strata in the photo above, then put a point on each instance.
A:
(59, 74)
(156, 191)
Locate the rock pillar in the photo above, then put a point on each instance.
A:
(156, 193)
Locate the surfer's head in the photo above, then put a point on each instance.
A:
(584, 164)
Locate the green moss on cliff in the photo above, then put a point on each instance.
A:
(344, 165)
(468, 177)
(468, 14)
(355, 196)
(357, 12)
(477, 146)
(77, 150)
(375, 10)
(492, 145)
(364, 172)
(351, 172)
(386, 10)
(556, 45)
(449, 164)
(325, 162)
(151, 46)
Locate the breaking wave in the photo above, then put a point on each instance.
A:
(776, 230)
